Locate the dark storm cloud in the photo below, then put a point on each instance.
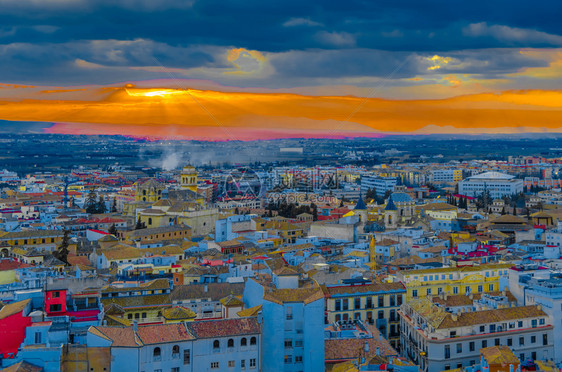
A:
(63, 40)
(266, 25)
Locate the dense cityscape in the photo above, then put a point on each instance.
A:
(419, 261)
(280, 186)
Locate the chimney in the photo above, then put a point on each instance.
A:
(135, 325)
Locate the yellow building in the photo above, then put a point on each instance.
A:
(149, 191)
(40, 239)
(452, 280)
(188, 178)
(377, 304)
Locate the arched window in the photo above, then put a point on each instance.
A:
(175, 351)
(230, 342)
(253, 341)
(144, 192)
(156, 353)
(243, 341)
(216, 344)
(150, 220)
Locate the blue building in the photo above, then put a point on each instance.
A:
(293, 330)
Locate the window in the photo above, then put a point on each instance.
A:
(428, 291)
(175, 369)
(56, 294)
(231, 363)
(392, 301)
(252, 363)
(381, 314)
(484, 343)
(288, 359)
(369, 304)
(482, 329)
(393, 316)
(55, 307)
(534, 355)
(447, 367)
(289, 314)
(186, 356)
(522, 356)
(243, 341)
(298, 343)
(37, 337)
(415, 293)
(510, 342)
(541, 321)
(455, 290)
(357, 316)
(230, 342)
(521, 340)
(338, 305)
(243, 364)
(544, 339)
(298, 359)
(533, 339)
(176, 351)
(216, 345)
(534, 323)
(253, 341)
(381, 301)
(491, 287)
(471, 346)
(459, 348)
(520, 324)
(492, 328)
(480, 289)
(497, 342)
(399, 299)
(357, 304)
(156, 354)
(346, 304)
(447, 352)
(214, 365)
(288, 344)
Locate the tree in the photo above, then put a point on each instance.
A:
(91, 204)
(314, 212)
(100, 205)
(113, 230)
(62, 251)
(114, 206)
(140, 225)
(371, 194)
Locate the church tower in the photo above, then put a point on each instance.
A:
(188, 178)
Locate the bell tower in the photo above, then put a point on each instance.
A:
(188, 178)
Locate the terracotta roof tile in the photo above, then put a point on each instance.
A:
(224, 327)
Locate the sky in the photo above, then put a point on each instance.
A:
(242, 70)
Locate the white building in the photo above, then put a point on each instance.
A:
(498, 184)
(438, 340)
(213, 345)
(380, 184)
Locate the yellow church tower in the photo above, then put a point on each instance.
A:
(189, 178)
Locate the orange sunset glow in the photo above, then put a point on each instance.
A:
(215, 115)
